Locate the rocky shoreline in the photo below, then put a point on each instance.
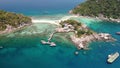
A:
(10, 21)
(10, 29)
(83, 41)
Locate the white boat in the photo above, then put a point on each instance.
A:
(118, 33)
(112, 57)
(52, 44)
(48, 43)
(44, 42)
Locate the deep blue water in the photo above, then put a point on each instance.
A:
(30, 7)
(22, 50)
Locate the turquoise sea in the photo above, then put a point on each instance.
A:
(22, 49)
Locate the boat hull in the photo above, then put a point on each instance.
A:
(113, 57)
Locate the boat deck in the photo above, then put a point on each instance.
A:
(113, 57)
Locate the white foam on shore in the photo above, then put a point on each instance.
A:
(56, 22)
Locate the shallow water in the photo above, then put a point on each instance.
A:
(23, 48)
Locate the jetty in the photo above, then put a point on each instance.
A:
(81, 42)
(112, 57)
(49, 41)
(51, 35)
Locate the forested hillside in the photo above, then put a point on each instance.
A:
(12, 19)
(106, 8)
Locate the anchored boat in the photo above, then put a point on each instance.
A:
(112, 57)
(44, 42)
(52, 44)
(118, 33)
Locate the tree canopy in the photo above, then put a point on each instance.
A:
(107, 8)
(12, 19)
(78, 26)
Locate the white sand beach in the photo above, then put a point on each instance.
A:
(56, 22)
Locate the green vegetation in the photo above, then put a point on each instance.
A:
(77, 27)
(12, 19)
(71, 22)
(107, 8)
(84, 32)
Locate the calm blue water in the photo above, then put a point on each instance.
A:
(23, 49)
(38, 7)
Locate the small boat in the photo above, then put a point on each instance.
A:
(112, 57)
(52, 44)
(44, 42)
(118, 33)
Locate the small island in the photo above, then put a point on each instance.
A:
(10, 22)
(101, 9)
(82, 34)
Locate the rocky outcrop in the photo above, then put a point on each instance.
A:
(82, 42)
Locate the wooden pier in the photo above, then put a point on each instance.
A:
(51, 35)
(49, 40)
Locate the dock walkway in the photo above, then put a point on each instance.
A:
(51, 35)
(49, 40)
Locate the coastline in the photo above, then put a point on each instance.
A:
(55, 22)
(10, 29)
(83, 41)
(101, 17)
